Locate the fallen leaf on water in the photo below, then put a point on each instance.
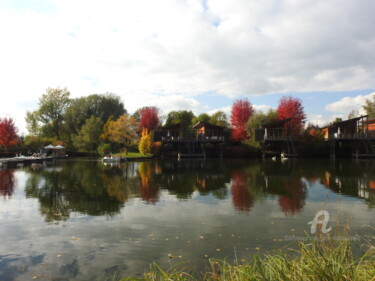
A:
(257, 248)
(76, 238)
(42, 265)
(170, 256)
(189, 241)
(292, 229)
(218, 250)
(166, 239)
(58, 255)
(201, 237)
(243, 260)
(180, 256)
(206, 256)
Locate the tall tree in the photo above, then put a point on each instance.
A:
(219, 118)
(88, 138)
(290, 107)
(182, 116)
(102, 106)
(8, 133)
(123, 131)
(203, 117)
(369, 106)
(149, 118)
(48, 119)
(241, 111)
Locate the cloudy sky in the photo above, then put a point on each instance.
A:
(189, 54)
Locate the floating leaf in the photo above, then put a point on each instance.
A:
(218, 250)
(58, 255)
(206, 256)
(201, 237)
(170, 256)
(257, 248)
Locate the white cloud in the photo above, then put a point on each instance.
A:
(347, 104)
(182, 48)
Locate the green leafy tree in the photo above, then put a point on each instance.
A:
(185, 118)
(257, 120)
(88, 138)
(219, 118)
(369, 106)
(48, 119)
(203, 117)
(100, 106)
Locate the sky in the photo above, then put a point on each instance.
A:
(198, 55)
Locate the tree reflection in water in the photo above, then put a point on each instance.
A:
(7, 182)
(149, 190)
(242, 199)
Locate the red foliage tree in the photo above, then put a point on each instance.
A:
(149, 118)
(290, 107)
(8, 133)
(241, 111)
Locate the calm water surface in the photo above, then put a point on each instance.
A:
(79, 219)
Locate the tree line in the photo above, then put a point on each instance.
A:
(100, 122)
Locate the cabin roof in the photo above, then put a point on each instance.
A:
(277, 124)
(347, 122)
(202, 124)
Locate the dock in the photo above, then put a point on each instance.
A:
(16, 161)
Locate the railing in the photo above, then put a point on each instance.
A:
(352, 136)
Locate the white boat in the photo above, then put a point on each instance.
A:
(111, 159)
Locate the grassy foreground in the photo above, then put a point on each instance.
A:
(132, 155)
(326, 261)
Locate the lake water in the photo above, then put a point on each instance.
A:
(78, 219)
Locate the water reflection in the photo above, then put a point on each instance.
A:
(7, 183)
(92, 188)
(356, 179)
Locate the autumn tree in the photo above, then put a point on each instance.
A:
(8, 133)
(241, 111)
(369, 106)
(290, 107)
(149, 118)
(145, 142)
(48, 119)
(123, 131)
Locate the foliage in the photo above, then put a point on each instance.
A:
(257, 120)
(145, 142)
(88, 138)
(185, 118)
(369, 107)
(290, 107)
(241, 111)
(34, 143)
(104, 148)
(312, 261)
(48, 119)
(219, 118)
(149, 118)
(123, 131)
(100, 106)
(182, 116)
(8, 133)
(204, 117)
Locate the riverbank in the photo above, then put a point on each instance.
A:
(313, 261)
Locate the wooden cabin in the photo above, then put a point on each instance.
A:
(278, 130)
(355, 136)
(209, 132)
(277, 138)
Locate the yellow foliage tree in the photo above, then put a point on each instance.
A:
(145, 142)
